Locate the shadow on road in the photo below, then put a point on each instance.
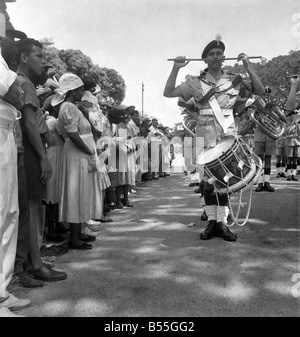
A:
(151, 262)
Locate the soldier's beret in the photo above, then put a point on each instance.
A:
(217, 43)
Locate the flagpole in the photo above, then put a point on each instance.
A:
(142, 99)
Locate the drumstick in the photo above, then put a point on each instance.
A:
(225, 59)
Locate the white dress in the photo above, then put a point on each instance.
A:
(81, 193)
(54, 151)
(126, 156)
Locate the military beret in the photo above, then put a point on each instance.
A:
(217, 43)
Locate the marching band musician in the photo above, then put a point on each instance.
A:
(292, 140)
(215, 118)
(265, 148)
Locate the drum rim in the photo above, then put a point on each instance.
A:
(247, 183)
(224, 154)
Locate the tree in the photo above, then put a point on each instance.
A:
(110, 81)
(112, 85)
(273, 72)
(79, 64)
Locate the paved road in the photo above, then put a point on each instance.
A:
(151, 262)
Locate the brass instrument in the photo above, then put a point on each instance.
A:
(268, 116)
(190, 124)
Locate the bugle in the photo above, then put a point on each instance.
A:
(225, 59)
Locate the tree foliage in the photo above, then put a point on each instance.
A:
(112, 84)
(273, 73)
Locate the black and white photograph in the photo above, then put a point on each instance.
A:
(149, 161)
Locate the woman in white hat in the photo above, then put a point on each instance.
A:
(81, 194)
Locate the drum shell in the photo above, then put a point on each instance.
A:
(240, 177)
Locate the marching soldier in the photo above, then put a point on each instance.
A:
(292, 142)
(215, 117)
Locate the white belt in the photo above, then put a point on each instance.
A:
(209, 112)
(87, 135)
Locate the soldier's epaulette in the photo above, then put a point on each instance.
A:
(189, 78)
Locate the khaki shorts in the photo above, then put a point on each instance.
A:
(280, 151)
(264, 148)
(292, 151)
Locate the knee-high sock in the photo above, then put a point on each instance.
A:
(294, 169)
(260, 179)
(222, 214)
(211, 211)
(267, 178)
(289, 169)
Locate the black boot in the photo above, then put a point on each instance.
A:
(229, 217)
(125, 201)
(208, 232)
(119, 190)
(204, 216)
(222, 231)
(268, 187)
(259, 188)
(197, 190)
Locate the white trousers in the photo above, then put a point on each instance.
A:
(9, 208)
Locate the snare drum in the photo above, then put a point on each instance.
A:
(231, 165)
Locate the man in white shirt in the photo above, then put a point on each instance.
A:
(155, 138)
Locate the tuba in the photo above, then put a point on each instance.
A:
(268, 116)
(190, 125)
(189, 122)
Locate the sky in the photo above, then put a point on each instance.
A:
(136, 37)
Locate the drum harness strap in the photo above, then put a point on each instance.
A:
(215, 106)
(240, 203)
(225, 123)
